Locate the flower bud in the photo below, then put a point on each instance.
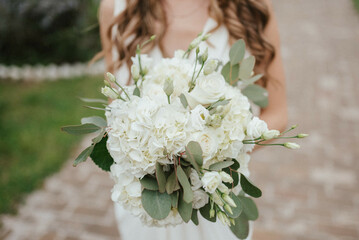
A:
(216, 198)
(226, 177)
(232, 221)
(195, 42)
(270, 134)
(205, 55)
(107, 84)
(223, 188)
(219, 109)
(135, 71)
(229, 200)
(223, 218)
(108, 92)
(111, 77)
(291, 145)
(294, 126)
(168, 87)
(210, 66)
(228, 208)
(205, 37)
(302, 135)
(212, 213)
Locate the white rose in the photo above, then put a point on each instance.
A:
(256, 128)
(195, 181)
(200, 198)
(211, 181)
(208, 142)
(208, 89)
(197, 119)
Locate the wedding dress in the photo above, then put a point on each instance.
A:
(130, 227)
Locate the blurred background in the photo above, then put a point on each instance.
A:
(310, 194)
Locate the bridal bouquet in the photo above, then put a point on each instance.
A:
(177, 141)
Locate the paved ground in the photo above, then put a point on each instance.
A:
(310, 194)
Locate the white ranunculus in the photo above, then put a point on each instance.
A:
(200, 198)
(197, 118)
(211, 181)
(256, 127)
(195, 181)
(208, 89)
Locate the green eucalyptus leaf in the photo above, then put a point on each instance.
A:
(249, 208)
(83, 155)
(172, 183)
(246, 67)
(187, 191)
(194, 217)
(220, 165)
(137, 92)
(96, 120)
(236, 210)
(174, 199)
(81, 129)
(226, 70)
(205, 212)
(183, 100)
(237, 51)
(230, 73)
(241, 227)
(149, 182)
(249, 188)
(234, 174)
(194, 154)
(99, 137)
(100, 155)
(156, 204)
(257, 94)
(161, 178)
(252, 80)
(184, 208)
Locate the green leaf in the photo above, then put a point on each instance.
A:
(149, 182)
(100, 155)
(194, 217)
(249, 188)
(246, 67)
(194, 154)
(184, 208)
(205, 212)
(95, 108)
(241, 227)
(236, 210)
(249, 208)
(99, 137)
(161, 178)
(226, 70)
(187, 191)
(172, 183)
(137, 92)
(237, 51)
(183, 100)
(257, 94)
(174, 199)
(96, 120)
(81, 129)
(234, 174)
(156, 204)
(220, 165)
(252, 80)
(93, 100)
(83, 155)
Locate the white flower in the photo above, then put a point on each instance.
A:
(291, 145)
(208, 141)
(211, 181)
(197, 118)
(108, 92)
(135, 71)
(210, 66)
(146, 62)
(195, 181)
(270, 134)
(226, 177)
(200, 198)
(217, 199)
(256, 128)
(208, 89)
(243, 160)
(179, 53)
(223, 188)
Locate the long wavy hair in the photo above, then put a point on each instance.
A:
(244, 19)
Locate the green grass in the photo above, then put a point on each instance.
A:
(32, 146)
(356, 4)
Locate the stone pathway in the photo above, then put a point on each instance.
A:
(310, 194)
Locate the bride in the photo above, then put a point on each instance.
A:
(124, 24)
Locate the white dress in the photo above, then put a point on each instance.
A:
(130, 227)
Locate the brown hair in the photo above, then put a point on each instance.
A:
(244, 19)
